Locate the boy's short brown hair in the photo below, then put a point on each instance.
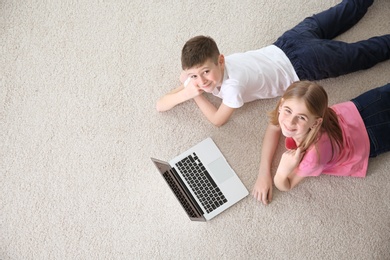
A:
(198, 50)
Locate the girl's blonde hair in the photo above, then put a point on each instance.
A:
(316, 101)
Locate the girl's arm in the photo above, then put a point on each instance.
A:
(285, 178)
(262, 190)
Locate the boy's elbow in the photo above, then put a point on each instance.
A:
(160, 107)
(218, 123)
(221, 116)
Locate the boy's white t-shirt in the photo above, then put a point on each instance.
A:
(252, 75)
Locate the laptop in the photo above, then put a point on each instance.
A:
(202, 181)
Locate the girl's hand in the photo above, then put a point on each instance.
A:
(289, 161)
(262, 191)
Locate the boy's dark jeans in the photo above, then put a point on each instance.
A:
(313, 53)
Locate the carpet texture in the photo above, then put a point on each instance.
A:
(78, 85)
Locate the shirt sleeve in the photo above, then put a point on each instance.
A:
(310, 164)
(231, 94)
(316, 158)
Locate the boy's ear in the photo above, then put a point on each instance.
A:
(221, 59)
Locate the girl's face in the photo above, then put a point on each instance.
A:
(209, 75)
(295, 120)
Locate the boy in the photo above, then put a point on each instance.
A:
(306, 52)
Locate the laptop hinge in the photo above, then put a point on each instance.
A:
(182, 193)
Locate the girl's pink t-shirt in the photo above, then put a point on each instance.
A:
(352, 160)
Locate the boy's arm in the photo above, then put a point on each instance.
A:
(286, 177)
(262, 190)
(177, 96)
(217, 116)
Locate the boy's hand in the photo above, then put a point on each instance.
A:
(192, 90)
(186, 91)
(289, 161)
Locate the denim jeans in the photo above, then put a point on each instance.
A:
(374, 108)
(313, 53)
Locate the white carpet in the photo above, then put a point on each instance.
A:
(78, 125)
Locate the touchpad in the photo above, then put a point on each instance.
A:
(221, 170)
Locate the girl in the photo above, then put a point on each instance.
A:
(335, 140)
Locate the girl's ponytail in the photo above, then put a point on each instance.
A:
(330, 125)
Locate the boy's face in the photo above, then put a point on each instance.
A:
(209, 75)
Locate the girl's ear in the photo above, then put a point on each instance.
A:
(281, 103)
(318, 122)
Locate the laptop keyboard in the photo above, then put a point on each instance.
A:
(201, 182)
(179, 195)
